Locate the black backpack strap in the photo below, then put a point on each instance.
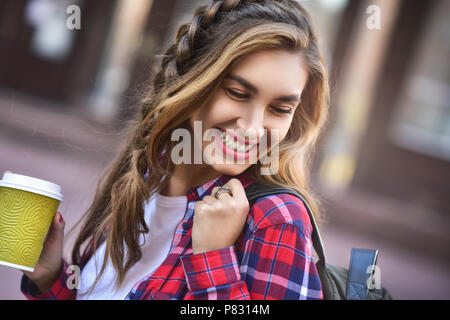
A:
(257, 190)
(362, 262)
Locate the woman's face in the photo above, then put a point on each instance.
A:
(255, 103)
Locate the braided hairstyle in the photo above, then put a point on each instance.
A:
(191, 69)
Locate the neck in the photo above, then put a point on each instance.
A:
(185, 177)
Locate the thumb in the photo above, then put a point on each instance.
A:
(52, 251)
(55, 236)
(58, 223)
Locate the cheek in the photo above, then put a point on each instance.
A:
(213, 113)
(281, 127)
(284, 130)
(219, 112)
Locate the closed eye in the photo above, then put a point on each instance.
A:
(237, 94)
(280, 110)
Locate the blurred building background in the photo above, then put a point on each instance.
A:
(383, 164)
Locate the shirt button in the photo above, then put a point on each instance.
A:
(185, 226)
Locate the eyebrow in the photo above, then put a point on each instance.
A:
(252, 88)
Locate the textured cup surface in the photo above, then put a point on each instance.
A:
(25, 218)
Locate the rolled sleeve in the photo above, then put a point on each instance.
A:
(58, 291)
(211, 269)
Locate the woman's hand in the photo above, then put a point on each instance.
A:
(49, 265)
(219, 222)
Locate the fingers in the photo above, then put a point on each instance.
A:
(223, 195)
(58, 222)
(209, 199)
(56, 232)
(218, 222)
(236, 189)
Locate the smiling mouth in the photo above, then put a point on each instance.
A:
(233, 143)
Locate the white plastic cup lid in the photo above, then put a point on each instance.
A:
(30, 184)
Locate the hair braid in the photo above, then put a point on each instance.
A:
(175, 60)
(203, 17)
(177, 57)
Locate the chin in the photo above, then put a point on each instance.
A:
(230, 169)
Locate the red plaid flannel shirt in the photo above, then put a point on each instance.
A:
(272, 259)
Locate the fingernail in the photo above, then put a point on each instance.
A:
(60, 218)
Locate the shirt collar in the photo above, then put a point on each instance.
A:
(197, 193)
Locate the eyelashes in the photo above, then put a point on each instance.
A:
(282, 110)
(238, 95)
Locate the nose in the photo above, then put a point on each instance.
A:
(252, 123)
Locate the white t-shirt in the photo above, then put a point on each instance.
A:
(162, 215)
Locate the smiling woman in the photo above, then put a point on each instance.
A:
(247, 70)
(258, 96)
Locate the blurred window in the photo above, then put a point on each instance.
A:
(51, 39)
(326, 16)
(422, 120)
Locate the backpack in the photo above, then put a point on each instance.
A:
(337, 282)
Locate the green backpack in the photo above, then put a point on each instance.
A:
(338, 283)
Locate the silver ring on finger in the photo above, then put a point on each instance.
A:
(221, 190)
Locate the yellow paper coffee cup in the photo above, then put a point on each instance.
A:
(27, 207)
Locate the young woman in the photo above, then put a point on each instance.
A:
(160, 228)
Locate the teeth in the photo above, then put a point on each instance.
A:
(235, 145)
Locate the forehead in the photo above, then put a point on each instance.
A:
(273, 70)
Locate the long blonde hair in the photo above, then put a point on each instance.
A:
(191, 71)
